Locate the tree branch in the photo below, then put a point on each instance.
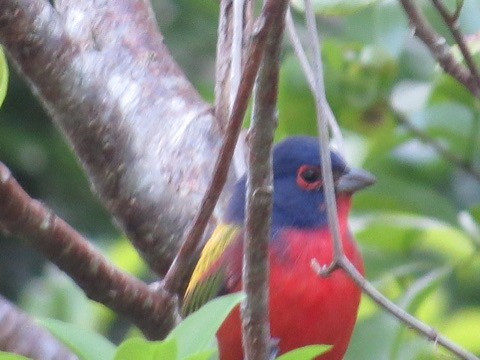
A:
(234, 27)
(451, 20)
(337, 137)
(340, 260)
(155, 313)
(409, 320)
(21, 335)
(322, 121)
(439, 48)
(256, 327)
(223, 63)
(141, 131)
(178, 274)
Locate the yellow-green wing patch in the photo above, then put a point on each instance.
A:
(209, 275)
(3, 76)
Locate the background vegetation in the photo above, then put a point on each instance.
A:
(403, 119)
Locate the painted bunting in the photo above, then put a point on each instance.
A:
(305, 309)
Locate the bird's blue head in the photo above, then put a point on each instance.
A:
(299, 199)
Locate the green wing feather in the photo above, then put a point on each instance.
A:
(209, 277)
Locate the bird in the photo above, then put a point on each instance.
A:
(304, 308)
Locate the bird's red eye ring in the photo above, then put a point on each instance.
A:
(309, 177)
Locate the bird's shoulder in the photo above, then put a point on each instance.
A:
(218, 269)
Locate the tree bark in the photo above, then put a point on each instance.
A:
(141, 131)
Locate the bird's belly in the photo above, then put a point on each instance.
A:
(305, 309)
(312, 310)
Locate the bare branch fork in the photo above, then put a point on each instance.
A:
(340, 260)
(466, 75)
(451, 20)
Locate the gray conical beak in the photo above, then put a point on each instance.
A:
(354, 180)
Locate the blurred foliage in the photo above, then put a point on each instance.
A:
(192, 339)
(335, 7)
(419, 226)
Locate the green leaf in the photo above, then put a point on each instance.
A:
(422, 235)
(10, 356)
(85, 344)
(415, 296)
(305, 353)
(387, 27)
(295, 101)
(124, 255)
(475, 213)
(141, 349)
(378, 331)
(335, 7)
(3, 76)
(196, 332)
(397, 192)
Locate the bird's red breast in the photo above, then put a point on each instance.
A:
(305, 308)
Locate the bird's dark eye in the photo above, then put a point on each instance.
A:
(309, 177)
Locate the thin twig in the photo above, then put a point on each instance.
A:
(322, 120)
(249, 21)
(439, 47)
(240, 9)
(412, 322)
(223, 64)
(440, 149)
(228, 69)
(337, 137)
(299, 51)
(451, 20)
(237, 49)
(183, 263)
(155, 313)
(256, 328)
(340, 260)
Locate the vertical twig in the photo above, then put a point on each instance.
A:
(181, 268)
(238, 53)
(322, 119)
(340, 260)
(256, 329)
(223, 63)
(249, 20)
(297, 46)
(237, 48)
(337, 137)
